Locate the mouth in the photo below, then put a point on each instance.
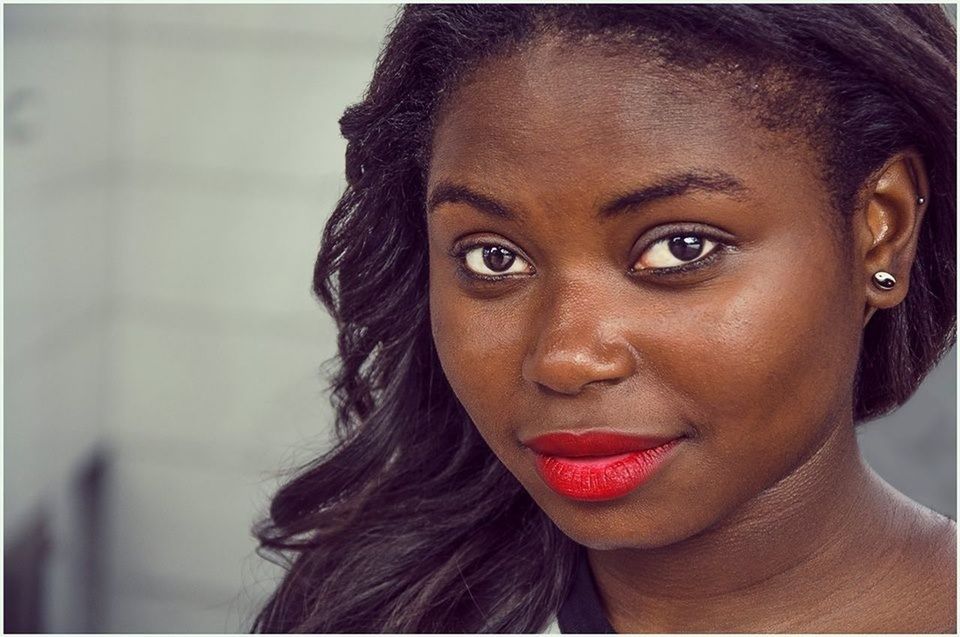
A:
(599, 465)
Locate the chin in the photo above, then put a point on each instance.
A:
(609, 525)
(609, 539)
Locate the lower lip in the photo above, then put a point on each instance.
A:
(601, 477)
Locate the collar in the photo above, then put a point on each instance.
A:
(582, 611)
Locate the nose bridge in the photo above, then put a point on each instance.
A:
(580, 338)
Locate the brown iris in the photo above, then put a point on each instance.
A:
(497, 259)
(686, 247)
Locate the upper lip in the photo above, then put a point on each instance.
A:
(574, 444)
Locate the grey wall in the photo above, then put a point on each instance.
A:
(168, 172)
(915, 448)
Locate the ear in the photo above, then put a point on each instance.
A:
(888, 225)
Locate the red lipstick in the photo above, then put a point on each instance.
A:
(598, 465)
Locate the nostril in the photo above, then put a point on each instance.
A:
(571, 391)
(569, 373)
(551, 391)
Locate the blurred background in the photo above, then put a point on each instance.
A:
(168, 171)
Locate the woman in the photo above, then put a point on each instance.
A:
(614, 286)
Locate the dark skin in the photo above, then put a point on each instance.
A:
(765, 519)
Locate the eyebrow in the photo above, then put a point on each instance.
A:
(672, 185)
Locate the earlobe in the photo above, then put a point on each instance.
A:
(888, 225)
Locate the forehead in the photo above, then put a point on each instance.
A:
(561, 115)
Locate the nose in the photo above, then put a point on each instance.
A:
(580, 341)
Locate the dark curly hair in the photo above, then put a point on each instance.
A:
(410, 523)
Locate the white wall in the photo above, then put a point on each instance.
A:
(231, 161)
(165, 194)
(58, 147)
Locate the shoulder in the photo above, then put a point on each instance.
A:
(935, 553)
(552, 627)
(926, 571)
(928, 540)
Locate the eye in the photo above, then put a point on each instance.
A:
(494, 261)
(675, 251)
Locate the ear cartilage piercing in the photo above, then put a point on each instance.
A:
(884, 280)
(921, 200)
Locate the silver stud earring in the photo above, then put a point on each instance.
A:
(921, 200)
(884, 280)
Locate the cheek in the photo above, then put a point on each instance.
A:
(770, 355)
(479, 346)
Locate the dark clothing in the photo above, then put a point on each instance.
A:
(581, 611)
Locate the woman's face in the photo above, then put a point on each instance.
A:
(616, 250)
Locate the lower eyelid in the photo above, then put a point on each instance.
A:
(469, 277)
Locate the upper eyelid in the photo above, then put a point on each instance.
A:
(665, 231)
(716, 240)
(462, 246)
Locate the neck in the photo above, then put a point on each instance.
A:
(765, 560)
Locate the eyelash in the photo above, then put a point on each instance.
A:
(460, 252)
(723, 246)
(686, 267)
